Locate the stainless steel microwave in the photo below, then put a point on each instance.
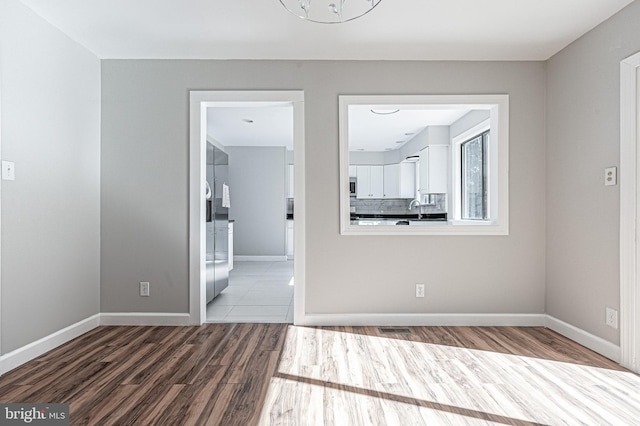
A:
(352, 187)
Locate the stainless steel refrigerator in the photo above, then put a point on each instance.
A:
(217, 221)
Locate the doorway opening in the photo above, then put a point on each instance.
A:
(257, 140)
(261, 136)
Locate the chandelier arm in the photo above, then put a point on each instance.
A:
(332, 14)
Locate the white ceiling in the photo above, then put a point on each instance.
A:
(270, 126)
(369, 131)
(263, 29)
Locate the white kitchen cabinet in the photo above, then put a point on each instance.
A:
(433, 169)
(290, 239)
(400, 180)
(391, 178)
(353, 171)
(230, 245)
(407, 180)
(290, 187)
(370, 182)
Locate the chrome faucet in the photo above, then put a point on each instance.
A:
(417, 203)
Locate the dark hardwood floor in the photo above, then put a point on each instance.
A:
(247, 374)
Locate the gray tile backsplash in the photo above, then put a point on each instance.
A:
(398, 205)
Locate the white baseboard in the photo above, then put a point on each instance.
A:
(259, 258)
(144, 318)
(516, 320)
(593, 342)
(28, 352)
(15, 358)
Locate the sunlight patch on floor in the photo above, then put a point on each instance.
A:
(343, 378)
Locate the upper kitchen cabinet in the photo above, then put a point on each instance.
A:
(370, 183)
(400, 180)
(433, 169)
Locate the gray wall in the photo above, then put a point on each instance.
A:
(50, 213)
(583, 137)
(257, 192)
(145, 188)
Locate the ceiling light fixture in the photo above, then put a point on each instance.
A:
(385, 111)
(331, 11)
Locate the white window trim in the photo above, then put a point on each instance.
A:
(497, 105)
(456, 167)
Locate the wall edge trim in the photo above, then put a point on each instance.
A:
(145, 318)
(578, 335)
(242, 258)
(515, 320)
(32, 350)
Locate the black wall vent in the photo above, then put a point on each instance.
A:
(391, 330)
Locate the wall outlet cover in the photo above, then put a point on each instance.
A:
(144, 288)
(611, 318)
(610, 176)
(8, 170)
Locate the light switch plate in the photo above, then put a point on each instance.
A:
(610, 176)
(144, 288)
(8, 170)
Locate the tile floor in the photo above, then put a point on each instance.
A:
(257, 292)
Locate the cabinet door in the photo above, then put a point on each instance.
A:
(353, 171)
(434, 162)
(407, 180)
(363, 183)
(438, 168)
(376, 176)
(230, 245)
(424, 171)
(391, 181)
(290, 189)
(289, 239)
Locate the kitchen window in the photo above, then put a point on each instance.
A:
(466, 150)
(475, 197)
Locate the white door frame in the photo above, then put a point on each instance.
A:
(629, 214)
(0, 215)
(198, 102)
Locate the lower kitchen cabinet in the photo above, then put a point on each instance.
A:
(289, 239)
(230, 245)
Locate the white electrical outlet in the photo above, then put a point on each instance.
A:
(419, 290)
(612, 318)
(610, 176)
(8, 170)
(144, 288)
